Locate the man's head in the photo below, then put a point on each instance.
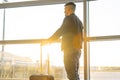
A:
(69, 8)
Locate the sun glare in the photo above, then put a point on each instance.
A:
(53, 53)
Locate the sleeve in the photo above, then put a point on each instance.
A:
(56, 35)
(62, 30)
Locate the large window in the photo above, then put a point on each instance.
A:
(40, 22)
(104, 17)
(32, 22)
(104, 54)
(104, 60)
(36, 22)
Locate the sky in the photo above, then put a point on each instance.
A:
(32, 22)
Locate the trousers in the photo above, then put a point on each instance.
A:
(71, 64)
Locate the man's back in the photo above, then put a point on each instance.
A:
(72, 27)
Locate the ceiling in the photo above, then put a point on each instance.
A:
(23, 3)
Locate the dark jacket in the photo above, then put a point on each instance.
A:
(71, 33)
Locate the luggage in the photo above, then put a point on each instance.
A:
(41, 77)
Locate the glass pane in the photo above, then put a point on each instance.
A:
(31, 51)
(104, 17)
(104, 60)
(22, 60)
(33, 22)
(1, 1)
(1, 23)
(19, 61)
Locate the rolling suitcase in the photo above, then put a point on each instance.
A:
(41, 77)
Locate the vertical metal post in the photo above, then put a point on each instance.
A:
(3, 36)
(86, 57)
(41, 59)
(48, 64)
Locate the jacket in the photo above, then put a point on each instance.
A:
(71, 32)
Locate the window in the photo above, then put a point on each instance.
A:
(104, 17)
(104, 55)
(34, 22)
(104, 60)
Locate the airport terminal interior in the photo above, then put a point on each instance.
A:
(24, 24)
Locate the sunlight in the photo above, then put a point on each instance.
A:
(54, 52)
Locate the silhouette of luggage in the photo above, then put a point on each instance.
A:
(41, 77)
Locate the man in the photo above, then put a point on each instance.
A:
(71, 33)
